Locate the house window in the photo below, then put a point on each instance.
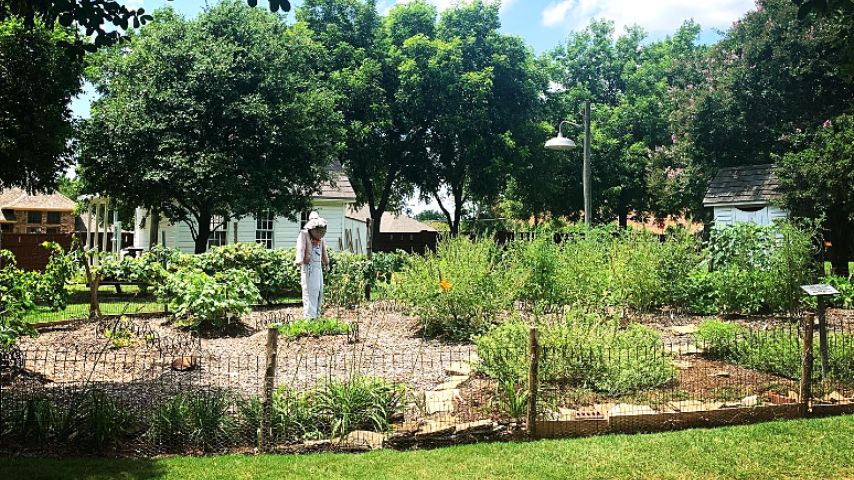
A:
(9, 214)
(264, 229)
(54, 230)
(34, 230)
(54, 217)
(6, 227)
(218, 232)
(303, 219)
(34, 217)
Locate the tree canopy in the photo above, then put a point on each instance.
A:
(222, 115)
(38, 79)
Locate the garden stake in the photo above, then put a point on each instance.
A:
(269, 385)
(534, 352)
(806, 365)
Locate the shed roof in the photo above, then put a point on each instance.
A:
(744, 185)
(18, 199)
(340, 187)
(392, 222)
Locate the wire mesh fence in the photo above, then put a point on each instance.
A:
(138, 388)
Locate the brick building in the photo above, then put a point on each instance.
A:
(21, 212)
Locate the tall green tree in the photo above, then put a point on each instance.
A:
(222, 115)
(38, 79)
(817, 179)
(380, 151)
(471, 89)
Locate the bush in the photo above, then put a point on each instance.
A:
(460, 291)
(776, 351)
(274, 273)
(147, 269)
(845, 286)
(16, 300)
(313, 328)
(581, 350)
(198, 419)
(203, 300)
(347, 279)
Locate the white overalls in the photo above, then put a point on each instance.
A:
(311, 278)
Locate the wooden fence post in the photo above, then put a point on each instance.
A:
(806, 365)
(822, 335)
(533, 387)
(369, 250)
(269, 385)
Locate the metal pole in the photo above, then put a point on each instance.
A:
(586, 174)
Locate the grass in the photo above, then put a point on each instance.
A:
(131, 300)
(808, 449)
(317, 327)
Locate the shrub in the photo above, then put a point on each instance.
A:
(147, 269)
(200, 419)
(50, 285)
(360, 403)
(274, 274)
(313, 328)
(16, 300)
(580, 350)
(460, 291)
(347, 279)
(776, 350)
(204, 300)
(845, 286)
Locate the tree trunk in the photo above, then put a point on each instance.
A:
(203, 232)
(623, 219)
(840, 235)
(153, 227)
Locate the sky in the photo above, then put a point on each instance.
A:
(542, 23)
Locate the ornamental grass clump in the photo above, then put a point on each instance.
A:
(460, 291)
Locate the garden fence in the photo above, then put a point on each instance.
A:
(185, 394)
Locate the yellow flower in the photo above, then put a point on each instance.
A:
(445, 285)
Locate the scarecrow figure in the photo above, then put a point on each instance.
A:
(313, 260)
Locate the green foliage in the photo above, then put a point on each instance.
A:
(845, 286)
(581, 350)
(60, 270)
(743, 245)
(460, 291)
(146, 269)
(210, 301)
(198, 419)
(224, 70)
(317, 327)
(120, 333)
(776, 350)
(38, 81)
(275, 276)
(346, 281)
(360, 403)
(16, 301)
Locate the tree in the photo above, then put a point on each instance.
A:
(817, 179)
(222, 115)
(38, 78)
(471, 89)
(629, 83)
(379, 155)
(90, 16)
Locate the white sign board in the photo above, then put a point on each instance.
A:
(819, 289)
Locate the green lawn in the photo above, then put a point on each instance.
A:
(130, 301)
(808, 449)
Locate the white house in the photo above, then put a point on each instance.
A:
(332, 203)
(744, 194)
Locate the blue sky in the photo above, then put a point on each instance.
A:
(545, 23)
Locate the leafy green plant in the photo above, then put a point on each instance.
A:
(347, 279)
(16, 300)
(202, 300)
(461, 290)
(359, 403)
(274, 275)
(313, 328)
(201, 419)
(512, 399)
(582, 350)
(99, 422)
(845, 286)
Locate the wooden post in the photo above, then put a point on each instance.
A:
(822, 335)
(806, 365)
(369, 250)
(533, 367)
(269, 385)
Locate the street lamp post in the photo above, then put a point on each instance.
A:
(560, 143)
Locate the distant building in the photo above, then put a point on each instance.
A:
(397, 231)
(272, 231)
(21, 212)
(745, 194)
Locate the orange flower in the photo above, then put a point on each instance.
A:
(445, 285)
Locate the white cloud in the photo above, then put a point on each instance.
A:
(653, 15)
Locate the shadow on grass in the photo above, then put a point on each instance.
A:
(80, 468)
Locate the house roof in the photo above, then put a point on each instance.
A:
(340, 187)
(391, 222)
(745, 185)
(18, 199)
